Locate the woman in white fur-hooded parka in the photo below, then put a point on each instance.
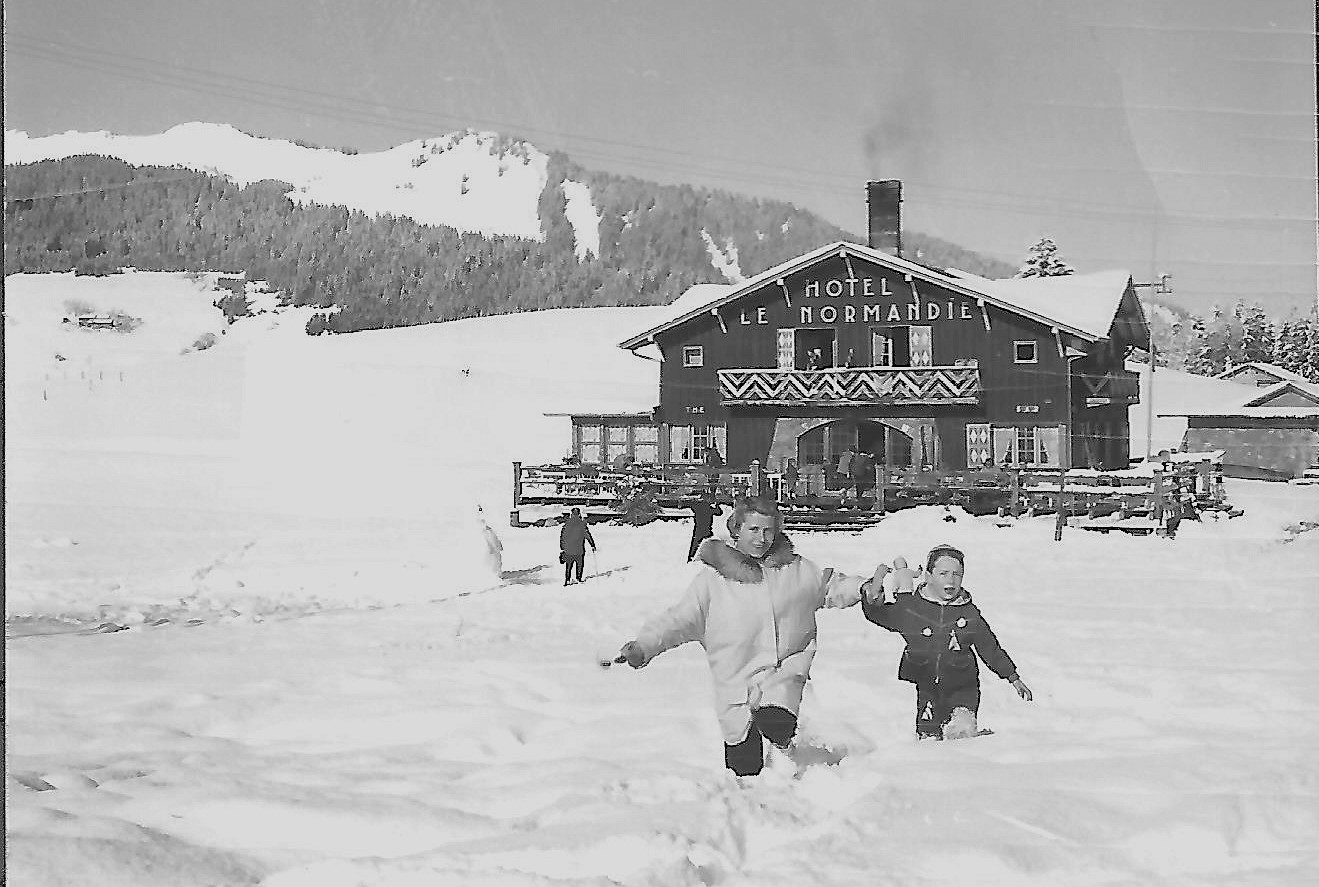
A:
(752, 607)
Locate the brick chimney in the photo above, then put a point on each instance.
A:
(884, 206)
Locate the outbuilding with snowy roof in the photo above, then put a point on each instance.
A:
(1270, 433)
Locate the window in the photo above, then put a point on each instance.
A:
(645, 444)
(814, 349)
(1025, 445)
(881, 348)
(588, 443)
(615, 442)
(693, 355)
(890, 346)
(687, 443)
(1028, 445)
(1025, 352)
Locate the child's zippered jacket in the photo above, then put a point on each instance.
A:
(941, 639)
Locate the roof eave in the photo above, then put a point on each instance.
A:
(904, 265)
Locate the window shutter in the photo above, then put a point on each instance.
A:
(978, 450)
(787, 353)
(922, 346)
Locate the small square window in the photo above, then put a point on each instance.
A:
(693, 355)
(1025, 352)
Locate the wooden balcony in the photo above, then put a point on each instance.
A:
(854, 386)
(1118, 387)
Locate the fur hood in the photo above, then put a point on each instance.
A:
(735, 566)
(963, 597)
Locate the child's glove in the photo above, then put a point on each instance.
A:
(1022, 690)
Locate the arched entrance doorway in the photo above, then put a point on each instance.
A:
(820, 447)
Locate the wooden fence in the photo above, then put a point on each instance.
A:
(1102, 499)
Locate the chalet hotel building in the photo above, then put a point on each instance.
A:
(921, 367)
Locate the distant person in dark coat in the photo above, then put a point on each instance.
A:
(704, 511)
(862, 472)
(572, 545)
(713, 462)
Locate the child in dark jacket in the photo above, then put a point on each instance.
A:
(944, 631)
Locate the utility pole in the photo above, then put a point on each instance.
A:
(1163, 288)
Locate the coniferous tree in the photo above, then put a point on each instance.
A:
(1258, 335)
(1042, 261)
(1200, 358)
(96, 214)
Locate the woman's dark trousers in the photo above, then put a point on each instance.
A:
(778, 725)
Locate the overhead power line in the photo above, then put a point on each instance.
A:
(411, 120)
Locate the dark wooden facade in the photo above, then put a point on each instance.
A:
(850, 347)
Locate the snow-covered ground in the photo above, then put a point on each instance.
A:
(320, 683)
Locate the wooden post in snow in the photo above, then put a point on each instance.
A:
(1156, 507)
(1062, 505)
(1014, 490)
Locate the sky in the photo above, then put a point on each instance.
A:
(1174, 137)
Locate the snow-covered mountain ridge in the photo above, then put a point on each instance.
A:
(473, 181)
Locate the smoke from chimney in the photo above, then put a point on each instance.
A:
(884, 208)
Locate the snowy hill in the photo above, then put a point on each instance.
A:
(305, 673)
(472, 181)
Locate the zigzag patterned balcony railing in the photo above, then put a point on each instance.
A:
(850, 387)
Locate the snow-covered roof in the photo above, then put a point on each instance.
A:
(1254, 403)
(1254, 412)
(1305, 389)
(1280, 373)
(1087, 302)
(694, 299)
(1081, 304)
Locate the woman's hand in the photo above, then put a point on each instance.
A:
(1022, 690)
(873, 588)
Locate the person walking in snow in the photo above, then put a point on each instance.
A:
(572, 545)
(704, 510)
(494, 548)
(944, 632)
(752, 607)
